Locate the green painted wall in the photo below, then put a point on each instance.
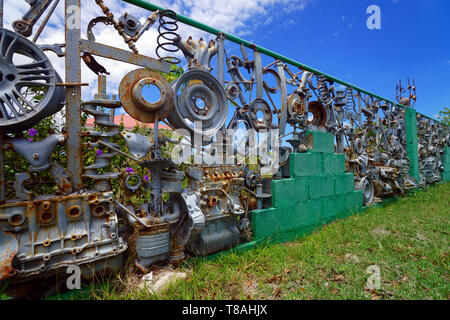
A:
(446, 164)
(319, 191)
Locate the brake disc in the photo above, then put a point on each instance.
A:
(260, 115)
(28, 90)
(132, 93)
(319, 114)
(199, 99)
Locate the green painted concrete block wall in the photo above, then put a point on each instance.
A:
(411, 142)
(446, 165)
(318, 141)
(319, 191)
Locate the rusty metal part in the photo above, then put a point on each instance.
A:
(57, 231)
(133, 98)
(44, 23)
(277, 78)
(25, 25)
(198, 53)
(296, 105)
(92, 64)
(102, 118)
(101, 50)
(128, 40)
(8, 250)
(319, 114)
(260, 115)
(72, 84)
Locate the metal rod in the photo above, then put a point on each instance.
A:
(44, 23)
(1, 13)
(2, 165)
(149, 6)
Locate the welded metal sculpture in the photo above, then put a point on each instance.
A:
(196, 209)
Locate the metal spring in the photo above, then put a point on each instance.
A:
(350, 100)
(101, 118)
(323, 89)
(167, 36)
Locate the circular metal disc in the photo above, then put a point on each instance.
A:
(130, 94)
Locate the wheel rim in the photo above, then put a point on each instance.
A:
(28, 91)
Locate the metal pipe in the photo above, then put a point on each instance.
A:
(149, 6)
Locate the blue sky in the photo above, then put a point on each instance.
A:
(332, 36)
(329, 35)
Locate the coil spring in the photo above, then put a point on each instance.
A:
(324, 92)
(110, 130)
(349, 101)
(167, 36)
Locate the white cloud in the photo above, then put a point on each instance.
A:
(232, 16)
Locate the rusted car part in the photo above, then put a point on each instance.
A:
(220, 201)
(101, 50)
(199, 99)
(138, 145)
(21, 82)
(36, 153)
(25, 26)
(198, 53)
(8, 250)
(319, 114)
(55, 232)
(134, 93)
(103, 119)
(432, 138)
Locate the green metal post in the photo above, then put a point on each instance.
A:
(411, 142)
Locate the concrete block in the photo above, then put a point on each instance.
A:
(305, 164)
(318, 141)
(344, 183)
(321, 186)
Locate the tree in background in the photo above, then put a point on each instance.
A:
(444, 116)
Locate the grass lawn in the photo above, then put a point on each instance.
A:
(408, 240)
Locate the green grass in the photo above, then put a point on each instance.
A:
(407, 239)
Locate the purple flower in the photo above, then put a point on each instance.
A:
(32, 132)
(29, 139)
(146, 178)
(98, 152)
(149, 171)
(130, 170)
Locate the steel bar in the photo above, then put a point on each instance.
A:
(105, 51)
(73, 93)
